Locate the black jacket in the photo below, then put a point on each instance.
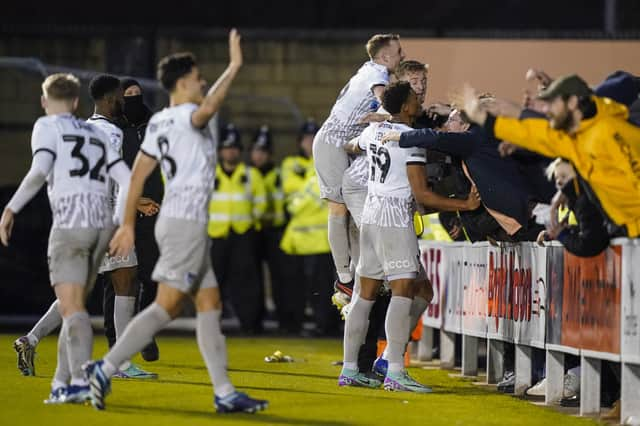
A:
(501, 184)
(590, 236)
(153, 187)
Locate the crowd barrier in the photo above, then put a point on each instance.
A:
(538, 297)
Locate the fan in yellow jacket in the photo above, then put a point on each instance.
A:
(592, 133)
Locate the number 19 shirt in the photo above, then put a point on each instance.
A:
(389, 201)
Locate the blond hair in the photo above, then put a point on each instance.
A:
(61, 87)
(378, 42)
(551, 168)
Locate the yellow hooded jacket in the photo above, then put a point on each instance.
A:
(605, 151)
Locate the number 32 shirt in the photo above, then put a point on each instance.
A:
(78, 183)
(389, 201)
(187, 158)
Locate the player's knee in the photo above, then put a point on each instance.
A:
(403, 288)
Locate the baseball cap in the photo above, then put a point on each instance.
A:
(567, 85)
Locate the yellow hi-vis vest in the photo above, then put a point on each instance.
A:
(307, 233)
(294, 173)
(274, 215)
(433, 229)
(237, 202)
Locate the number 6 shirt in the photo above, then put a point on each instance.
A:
(389, 201)
(187, 159)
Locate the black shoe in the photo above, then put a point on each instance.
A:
(151, 352)
(572, 401)
(508, 383)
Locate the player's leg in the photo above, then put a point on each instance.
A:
(62, 375)
(357, 321)
(399, 250)
(139, 333)
(331, 162)
(70, 259)
(125, 285)
(25, 346)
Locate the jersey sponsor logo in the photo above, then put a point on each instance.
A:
(397, 264)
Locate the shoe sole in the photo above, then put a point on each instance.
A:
(250, 410)
(26, 366)
(143, 377)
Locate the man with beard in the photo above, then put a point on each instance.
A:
(107, 94)
(592, 133)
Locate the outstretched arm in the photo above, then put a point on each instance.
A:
(218, 91)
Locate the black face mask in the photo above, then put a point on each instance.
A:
(134, 109)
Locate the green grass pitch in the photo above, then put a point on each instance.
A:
(301, 393)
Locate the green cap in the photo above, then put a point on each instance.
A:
(567, 85)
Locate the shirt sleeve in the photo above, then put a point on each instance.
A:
(149, 145)
(43, 139)
(416, 156)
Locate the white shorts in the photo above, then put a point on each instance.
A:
(75, 254)
(330, 162)
(111, 263)
(184, 262)
(354, 196)
(388, 253)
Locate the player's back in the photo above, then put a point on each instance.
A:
(356, 99)
(78, 183)
(187, 158)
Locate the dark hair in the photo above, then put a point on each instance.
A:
(395, 95)
(410, 66)
(379, 41)
(173, 67)
(585, 104)
(102, 85)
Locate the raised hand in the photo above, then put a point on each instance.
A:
(235, 50)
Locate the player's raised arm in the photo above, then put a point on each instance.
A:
(218, 91)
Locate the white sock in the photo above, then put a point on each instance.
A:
(136, 336)
(355, 330)
(123, 309)
(417, 309)
(397, 329)
(213, 349)
(339, 242)
(46, 324)
(79, 338)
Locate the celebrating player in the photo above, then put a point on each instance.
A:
(178, 138)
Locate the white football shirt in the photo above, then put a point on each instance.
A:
(115, 140)
(78, 182)
(389, 199)
(187, 158)
(354, 101)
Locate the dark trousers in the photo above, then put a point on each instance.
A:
(369, 349)
(147, 253)
(234, 263)
(288, 293)
(311, 278)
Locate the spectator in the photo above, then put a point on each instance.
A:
(273, 222)
(591, 132)
(237, 205)
(589, 237)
